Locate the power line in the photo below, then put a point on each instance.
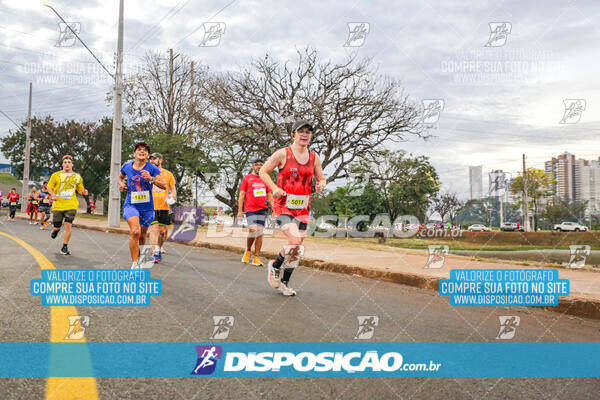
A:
(170, 14)
(198, 28)
(10, 119)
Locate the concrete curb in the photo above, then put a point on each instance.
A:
(572, 305)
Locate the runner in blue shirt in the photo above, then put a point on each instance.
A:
(138, 209)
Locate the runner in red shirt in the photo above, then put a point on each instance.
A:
(297, 165)
(13, 199)
(253, 198)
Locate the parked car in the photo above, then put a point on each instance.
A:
(570, 227)
(478, 228)
(434, 225)
(511, 227)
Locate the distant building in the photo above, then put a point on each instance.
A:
(476, 182)
(6, 168)
(562, 169)
(576, 179)
(588, 184)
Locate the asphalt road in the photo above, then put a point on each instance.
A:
(200, 283)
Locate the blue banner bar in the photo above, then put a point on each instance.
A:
(350, 359)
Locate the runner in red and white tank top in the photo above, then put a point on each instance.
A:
(296, 180)
(297, 166)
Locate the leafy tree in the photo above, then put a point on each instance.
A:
(401, 184)
(558, 210)
(539, 186)
(479, 211)
(88, 142)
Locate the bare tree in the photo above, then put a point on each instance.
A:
(162, 94)
(355, 110)
(447, 204)
(163, 103)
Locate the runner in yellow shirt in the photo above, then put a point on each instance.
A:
(62, 187)
(163, 198)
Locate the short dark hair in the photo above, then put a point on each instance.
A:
(142, 144)
(45, 182)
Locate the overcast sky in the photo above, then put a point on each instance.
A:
(500, 100)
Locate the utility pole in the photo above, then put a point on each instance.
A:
(114, 205)
(25, 187)
(525, 199)
(501, 198)
(192, 108)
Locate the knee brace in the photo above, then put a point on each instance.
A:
(57, 224)
(293, 252)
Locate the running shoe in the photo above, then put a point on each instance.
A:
(256, 261)
(35, 223)
(135, 265)
(286, 290)
(54, 234)
(157, 257)
(42, 227)
(273, 275)
(65, 250)
(162, 250)
(246, 257)
(30, 223)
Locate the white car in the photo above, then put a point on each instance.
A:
(510, 227)
(570, 227)
(478, 228)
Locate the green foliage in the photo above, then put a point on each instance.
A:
(404, 188)
(558, 210)
(9, 179)
(88, 142)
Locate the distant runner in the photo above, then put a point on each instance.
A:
(297, 165)
(13, 200)
(32, 207)
(163, 198)
(43, 197)
(62, 187)
(138, 209)
(253, 198)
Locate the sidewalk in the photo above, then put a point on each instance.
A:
(393, 265)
